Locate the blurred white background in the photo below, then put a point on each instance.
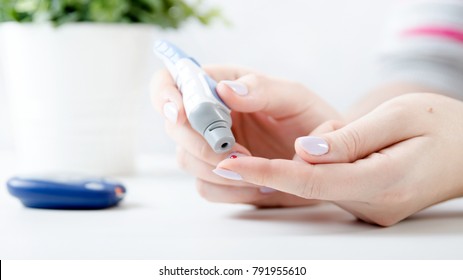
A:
(330, 46)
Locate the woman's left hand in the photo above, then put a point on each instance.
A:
(404, 156)
(268, 115)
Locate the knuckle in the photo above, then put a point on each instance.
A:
(412, 109)
(254, 78)
(310, 188)
(263, 179)
(257, 82)
(399, 107)
(352, 142)
(266, 175)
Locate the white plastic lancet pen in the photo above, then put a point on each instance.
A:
(206, 112)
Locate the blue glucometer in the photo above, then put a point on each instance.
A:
(66, 192)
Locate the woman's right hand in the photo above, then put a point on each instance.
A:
(268, 115)
(400, 158)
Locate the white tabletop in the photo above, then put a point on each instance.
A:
(163, 217)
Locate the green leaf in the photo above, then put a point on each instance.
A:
(163, 13)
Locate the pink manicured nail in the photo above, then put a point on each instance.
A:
(266, 190)
(227, 174)
(313, 145)
(237, 87)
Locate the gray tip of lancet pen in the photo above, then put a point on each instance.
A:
(220, 137)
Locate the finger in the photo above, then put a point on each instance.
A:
(227, 194)
(226, 72)
(343, 181)
(230, 194)
(195, 144)
(166, 98)
(203, 170)
(326, 127)
(277, 98)
(373, 132)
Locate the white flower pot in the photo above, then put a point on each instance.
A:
(73, 93)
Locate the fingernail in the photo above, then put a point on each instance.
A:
(227, 174)
(236, 155)
(237, 87)
(171, 112)
(313, 145)
(266, 190)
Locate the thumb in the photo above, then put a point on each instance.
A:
(334, 143)
(277, 98)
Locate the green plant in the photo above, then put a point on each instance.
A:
(164, 13)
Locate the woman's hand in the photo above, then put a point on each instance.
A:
(268, 115)
(402, 157)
